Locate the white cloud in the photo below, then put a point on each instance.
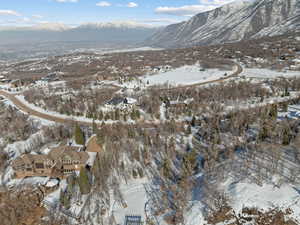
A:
(37, 16)
(189, 10)
(160, 20)
(64, 1)
(132, 5)
(186, 10)
(9, 13)
(26, 19)
(215, 2)
(103, 4)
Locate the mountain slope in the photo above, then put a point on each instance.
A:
(232, 22)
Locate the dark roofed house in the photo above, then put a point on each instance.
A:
(117, 101)
(50, 77)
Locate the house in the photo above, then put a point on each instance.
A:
(60, 162)
(121, 103)
(117, 101)
(50, 77)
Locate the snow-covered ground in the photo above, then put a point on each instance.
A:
(185, 75)
(244, 194)
(267, 73)
(135, 197)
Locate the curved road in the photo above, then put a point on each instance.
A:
(27, 109)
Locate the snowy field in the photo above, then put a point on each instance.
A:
(267, 73)
(135, 197)
(267, 196)
(185, 75)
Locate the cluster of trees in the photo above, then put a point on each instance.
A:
(15, 126)
(76, 102)
(76, 187)
(20, 207)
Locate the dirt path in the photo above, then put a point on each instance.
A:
(27, 109)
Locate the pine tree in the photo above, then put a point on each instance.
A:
(193, 122)
(100, 115)
(137, 114)
(263, 133)
(273, 111)
(84, 183)
(141, 173)
(106, 117)
(132, 115)
(285, 106)
(117, 114)
(65, 199)
(134, 174)
(166, 168)
(189, 130)
(286, 136)
(125, 117)
(79, 135)
(95, 128)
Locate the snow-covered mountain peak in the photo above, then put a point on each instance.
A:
(232, 22)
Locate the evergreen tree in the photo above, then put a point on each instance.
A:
(134, 174)
(273, 111)
(190, 161)
(285, 106)
(286, 136)
(189, 130)
(263, 133)
(65, 199)
(79, 135)
(137, 114)
(117, 114)
(141, 173)
(84, 183)
(106, 117)
(286, 91)
(125, 117)
(100, 115)
(193, 122)
(132, 115)
(95, 128)
(166, 168)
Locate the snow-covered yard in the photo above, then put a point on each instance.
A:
(244, 194)
(267, 73)
(135, 197)
(185, 75)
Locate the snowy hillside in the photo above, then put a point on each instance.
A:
(233, 22)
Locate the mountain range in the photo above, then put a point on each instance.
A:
(107, 33)
(246, 19)
(232, 22)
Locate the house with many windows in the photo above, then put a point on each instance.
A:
(59, 162)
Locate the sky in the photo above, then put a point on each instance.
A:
(76, 12)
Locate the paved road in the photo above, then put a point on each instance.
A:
(27, 109)
(30, 111)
